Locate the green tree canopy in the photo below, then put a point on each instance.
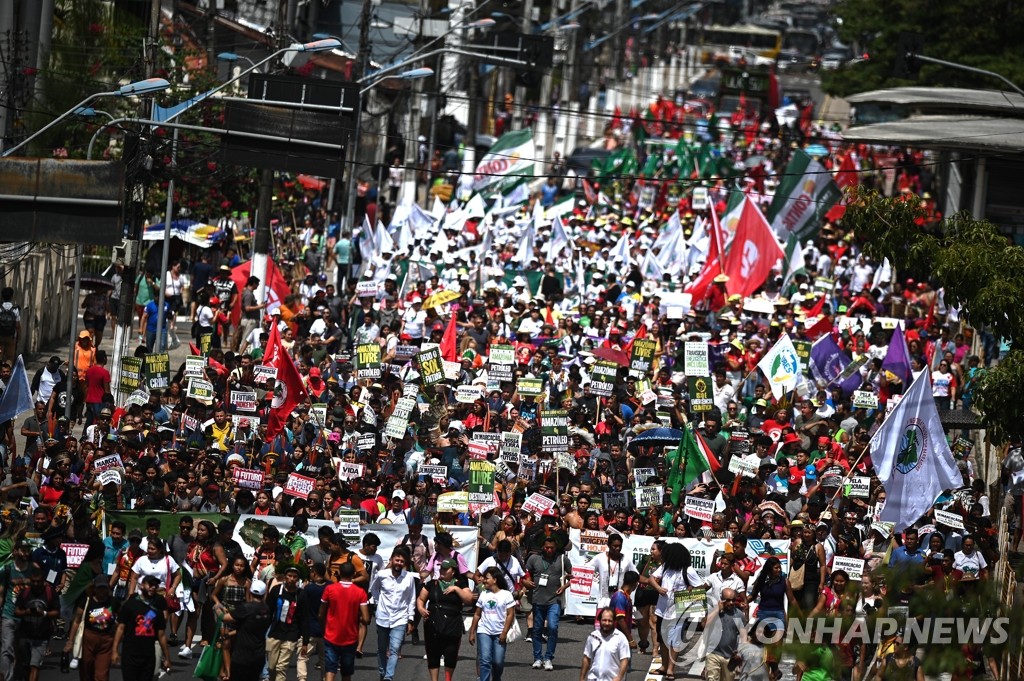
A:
(982, 273)
(981, 34)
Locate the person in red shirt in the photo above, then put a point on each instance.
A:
(97, 385)
(344, 606)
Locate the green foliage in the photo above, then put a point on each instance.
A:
(981, 271)
(971, 32)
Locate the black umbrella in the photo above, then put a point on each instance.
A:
(656, 437)
(91, 282)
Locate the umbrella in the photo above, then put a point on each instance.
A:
(816, 150)
(771, 506)
(440, 298)
(656, 437)
(91, 282)
(612, 355)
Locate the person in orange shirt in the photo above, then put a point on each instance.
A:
(85, 357)
(289, 310)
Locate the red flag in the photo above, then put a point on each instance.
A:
(449, 348)
(277, 287)
(214, 364)
(818, 307)
(640, 333)
(548, 319)
(846, 176)
(707, 453)
(698, 288)
(289, 390)
(820, 328)
(589, 193)
(754, 252)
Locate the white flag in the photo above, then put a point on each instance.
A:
(781, 366)
(559, 239)
(912, 456)
(525, 253)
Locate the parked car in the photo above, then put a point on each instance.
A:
(835, 57)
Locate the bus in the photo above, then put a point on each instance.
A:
(716, 41)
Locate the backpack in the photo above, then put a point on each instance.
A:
(8, 321)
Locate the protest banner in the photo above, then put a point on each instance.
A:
(299, 485)
(593, 541)
(435, 473)
(110, 476)
(404, 352)
(399, 420)
(478, 451)
(157, 367)
(318, 415)
(467, 394)
(641, 475)
(431, 366)
(138, 398)
(642, 356)
(200, 390)
(832, 476)
(368, 361)
(76, 553)
(366, 289)
(858, 486)
(954, 520)
(244, 400)
(350, 471)
(453, 502)
(481, 482)
(247, 478)
(695, 359)
(511, 446)
(699, 508)
(366, 441)
(530, 387)
(803, 351)
(581, 583)
(195, 367)
(500, 362)
(554, 429)
(852, 566)
(104, 463)
(617, 500)
(744, 465)
(651, 495)
(261, 374)
(348, 524)
(702, 397)
(538, 503)
(527, 469)
(865, 399)
(131, 374)
(690, 604)
(566, 461)
(962, 448)
(603, 378)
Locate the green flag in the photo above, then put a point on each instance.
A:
(686, 463)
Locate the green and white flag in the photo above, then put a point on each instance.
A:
(512, 155)
(795, 263)
(781, 366)
(806, 192)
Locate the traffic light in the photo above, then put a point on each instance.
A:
(909, 45)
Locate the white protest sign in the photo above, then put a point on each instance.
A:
(262, 374)
(954, 520)
(244, 400)
(744, 465)
(350, 471)
(852, 566)
(110, 476)
(437, 473)
(695, 359)
(701, 509)
(511, 445)
(865, 399)
(366, 289)
(107, 462)
(858, 486)
(467, 394)
(648, 496)
(538, 503)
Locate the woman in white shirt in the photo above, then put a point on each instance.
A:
(158, 564)
(968, 563)
(493, 618)
(943, 386)
(672, 580)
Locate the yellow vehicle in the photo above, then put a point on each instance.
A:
(719, 43)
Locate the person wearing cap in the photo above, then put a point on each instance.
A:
(341, 554)
(396, 514)
(96, 615)
(140, 625)
(394, 590)
(250, 620)
(46, 378)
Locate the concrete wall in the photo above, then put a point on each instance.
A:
(38, 283)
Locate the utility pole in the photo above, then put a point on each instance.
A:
(261, 236)
(359, 68)
(135, 190)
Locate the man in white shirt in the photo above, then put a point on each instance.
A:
(605, 652)
(396, 515)
(610, 568)
(725, 578)
(394, 589)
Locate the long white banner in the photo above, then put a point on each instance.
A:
(249, 535)
(702, 552)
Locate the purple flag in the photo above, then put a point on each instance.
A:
(828, 362)
(897, 357)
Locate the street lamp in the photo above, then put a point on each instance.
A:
(142, 87)
(232, 57)
(89, 112)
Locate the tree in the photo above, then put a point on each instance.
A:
(981, 272)
(971, 32)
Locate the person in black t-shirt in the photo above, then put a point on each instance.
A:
(140, 623)
(96, 612)
(251, 621)
(38, 608)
